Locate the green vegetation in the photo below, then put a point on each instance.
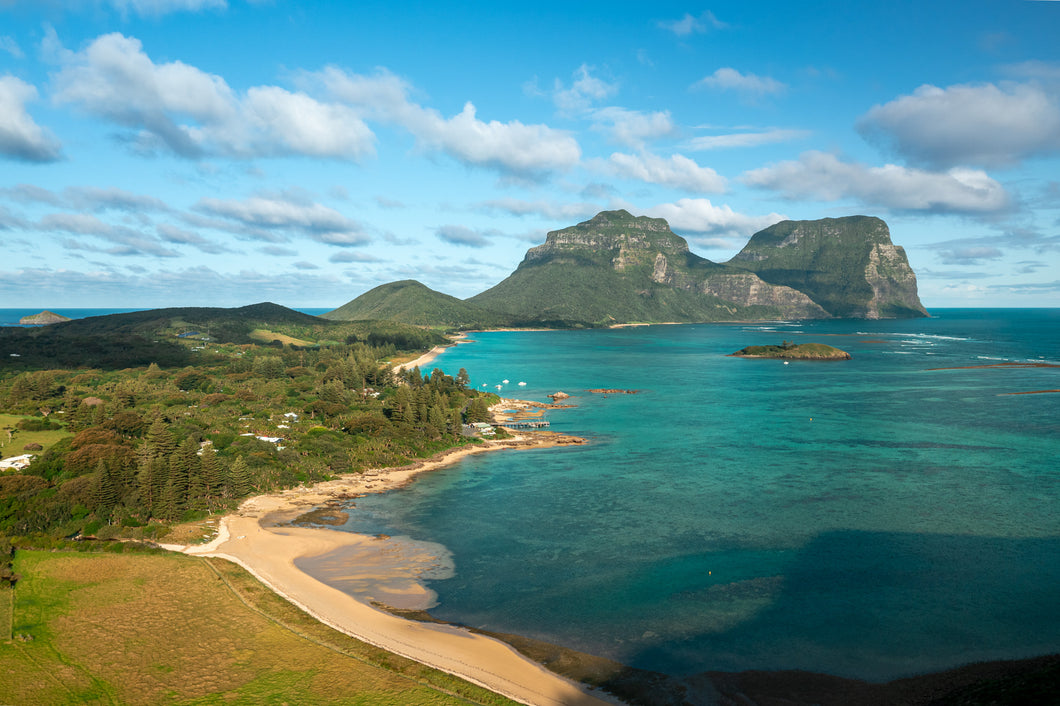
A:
(847, 265)
(791, 351)
(24, 434)
(180, 337)
(410, 302)
(617, 268)
(126, 453)
(150, 628)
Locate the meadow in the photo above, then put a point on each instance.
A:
(148, 628)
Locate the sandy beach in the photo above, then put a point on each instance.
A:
(429, 355)
(259, 538)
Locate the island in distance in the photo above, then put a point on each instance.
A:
(793, 351)
(42, 319)
(617, 268)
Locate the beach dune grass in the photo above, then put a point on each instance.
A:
(153, 628)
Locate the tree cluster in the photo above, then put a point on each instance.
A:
(150, 445)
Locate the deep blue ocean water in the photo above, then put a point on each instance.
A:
(871, 518)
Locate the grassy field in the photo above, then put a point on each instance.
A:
(164, 628)
(20, 438)
(268, 336)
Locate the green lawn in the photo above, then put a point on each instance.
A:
(19, 438)
(162, 628)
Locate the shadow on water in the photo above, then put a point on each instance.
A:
(879, 606)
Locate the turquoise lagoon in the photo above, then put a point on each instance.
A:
(893, 514)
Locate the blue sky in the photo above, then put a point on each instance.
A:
(226, 152)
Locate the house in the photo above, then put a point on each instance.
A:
(480, 428)
(17, 463)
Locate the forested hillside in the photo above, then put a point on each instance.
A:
(142, 447)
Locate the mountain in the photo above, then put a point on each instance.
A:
(410, 302)
(847, 265)
(619, 268)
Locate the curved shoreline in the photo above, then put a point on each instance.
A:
(257, 538)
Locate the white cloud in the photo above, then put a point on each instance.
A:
(584, 90)
(179, 236)
(689, 24)
(633, 127)
(20, 137)
(512, 148)
(678, 172)
(822, 176)
(729, 79)
(461, 235)
(701, 216)
(195, 114)
(275, 216)
(964, 125)
(125, 241)
(745, 139)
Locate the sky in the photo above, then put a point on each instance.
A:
(162, 153)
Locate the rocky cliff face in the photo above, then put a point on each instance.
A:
(848, 266)
(618, 268)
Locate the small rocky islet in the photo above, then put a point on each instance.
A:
(793, 351)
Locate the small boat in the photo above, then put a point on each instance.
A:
(499, 386)
(504, 381)
(522, 384)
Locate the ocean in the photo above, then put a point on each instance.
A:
(890, 515)
(880, 517)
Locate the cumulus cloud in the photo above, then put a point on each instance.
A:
(745, 139)
(512, 148)
(692, 24)
(277, 217)
(20, 137)
(460, 235)
(729, 79)
(678, 172)
(196, 114)
(822, 176)
(633, 127)
(984, 125)
(701, 216)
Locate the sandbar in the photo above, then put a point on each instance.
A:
(259, 538)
